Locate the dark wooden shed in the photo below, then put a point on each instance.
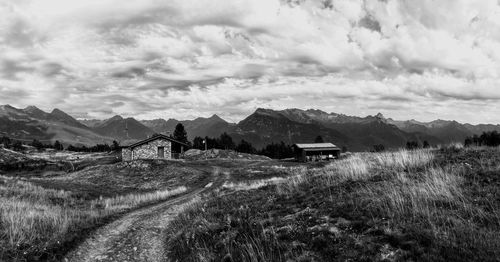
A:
(315, 151)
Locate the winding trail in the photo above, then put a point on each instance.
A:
(137, 236)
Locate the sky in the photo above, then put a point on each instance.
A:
(182, 59)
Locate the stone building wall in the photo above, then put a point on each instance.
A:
(150, 150)
(126, 154)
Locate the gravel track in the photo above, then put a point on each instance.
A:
(138, 235)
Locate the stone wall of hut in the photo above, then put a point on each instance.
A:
(148, 150)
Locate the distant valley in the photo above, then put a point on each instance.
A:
(262, 127)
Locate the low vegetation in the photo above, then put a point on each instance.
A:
(119, 203)
(417, 205)
(36, 222)
(43, 215)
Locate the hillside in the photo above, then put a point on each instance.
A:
(32, 123)
(265, 126)
(402, 206)
(45, 215)
(296, 125)
(445, 131)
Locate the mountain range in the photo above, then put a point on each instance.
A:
(262, 127)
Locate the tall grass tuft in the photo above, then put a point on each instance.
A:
(253, 184)
(297, 177)
(356, 167)
(410, 198)
(403, 159)
(132, 200)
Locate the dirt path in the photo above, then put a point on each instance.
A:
(137, 236)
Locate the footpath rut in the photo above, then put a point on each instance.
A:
(137, 236)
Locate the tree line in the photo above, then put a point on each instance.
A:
(491, 138)
(226, 142)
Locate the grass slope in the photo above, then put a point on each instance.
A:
(42, 216)
(439, 205)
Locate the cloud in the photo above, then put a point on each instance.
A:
(186, 58)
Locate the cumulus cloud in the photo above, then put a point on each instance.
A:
(186, 58)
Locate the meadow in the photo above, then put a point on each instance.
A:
(419, 205)
(44, 215)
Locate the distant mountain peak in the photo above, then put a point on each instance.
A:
(317, 111)
(61, 116)
(379, 115)
(36, 112)
(217, 118)
(267, 112)
(116, 118)
(8, 106)
(32, 108)
(58, 112)
(263, 110)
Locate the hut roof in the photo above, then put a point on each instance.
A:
(317, 146)
(154, 137)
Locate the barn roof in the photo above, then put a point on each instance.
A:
(155, 137)
(316, 146)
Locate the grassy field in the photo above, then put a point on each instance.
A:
(56, 162)
(423, 205)
(44, 214)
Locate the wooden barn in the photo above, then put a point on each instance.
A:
(158, 146)
(315, 151)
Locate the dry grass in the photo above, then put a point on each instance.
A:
(295, 174)
(402, 159)
(31, 221)
(359, 167)
(410, 197)
(428, 204)
(356, 167)
(35, 220)
(119, 203)
(253, 184)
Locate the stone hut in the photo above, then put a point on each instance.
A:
(156, 147)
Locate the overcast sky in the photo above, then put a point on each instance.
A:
(181, 59)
